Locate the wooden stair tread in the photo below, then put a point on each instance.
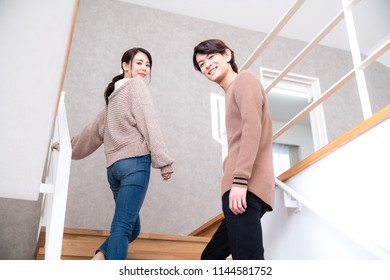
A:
(80, 244)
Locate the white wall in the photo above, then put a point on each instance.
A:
(352, 185)
(34, 40)
(298, 135)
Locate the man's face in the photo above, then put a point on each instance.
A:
(214, 66)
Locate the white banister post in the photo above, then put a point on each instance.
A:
(356, 58)
(56, 192)
(217, 101)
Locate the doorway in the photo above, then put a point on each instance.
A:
(288, 98)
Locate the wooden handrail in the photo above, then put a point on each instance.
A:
(75, 13)
(208, 228)
(364, 126)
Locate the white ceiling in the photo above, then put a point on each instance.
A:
(372, 22)
(372, 18)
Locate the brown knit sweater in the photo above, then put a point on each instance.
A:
(249, 161)
(128, 128)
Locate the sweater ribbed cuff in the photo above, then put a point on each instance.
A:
(240, 182)
(167, 169)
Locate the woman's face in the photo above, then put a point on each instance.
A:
(140, 66)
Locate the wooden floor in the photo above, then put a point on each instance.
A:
(80, 244)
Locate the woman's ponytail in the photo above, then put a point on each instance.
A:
(111, 86)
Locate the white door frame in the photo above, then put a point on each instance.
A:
(311, 87)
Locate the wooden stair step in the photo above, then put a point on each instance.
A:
(80, 244)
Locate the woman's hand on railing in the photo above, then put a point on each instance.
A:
(55, 146)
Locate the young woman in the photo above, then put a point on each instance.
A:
(129, 130)
(248, 183)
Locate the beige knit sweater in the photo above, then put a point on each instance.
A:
(127, 127)
(249, 161)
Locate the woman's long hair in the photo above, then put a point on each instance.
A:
(126, 57)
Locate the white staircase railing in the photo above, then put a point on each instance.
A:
(333, 220)
(218, 110)
(55, 187)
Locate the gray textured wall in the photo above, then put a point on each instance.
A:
(104, 30)
(19, 222)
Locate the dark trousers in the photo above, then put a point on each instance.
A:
(238, 235)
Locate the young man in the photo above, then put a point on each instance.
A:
(248, 182)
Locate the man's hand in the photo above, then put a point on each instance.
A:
(237, 200)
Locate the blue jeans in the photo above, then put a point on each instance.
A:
(129, 179)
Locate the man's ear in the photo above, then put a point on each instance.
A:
(228, 55)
